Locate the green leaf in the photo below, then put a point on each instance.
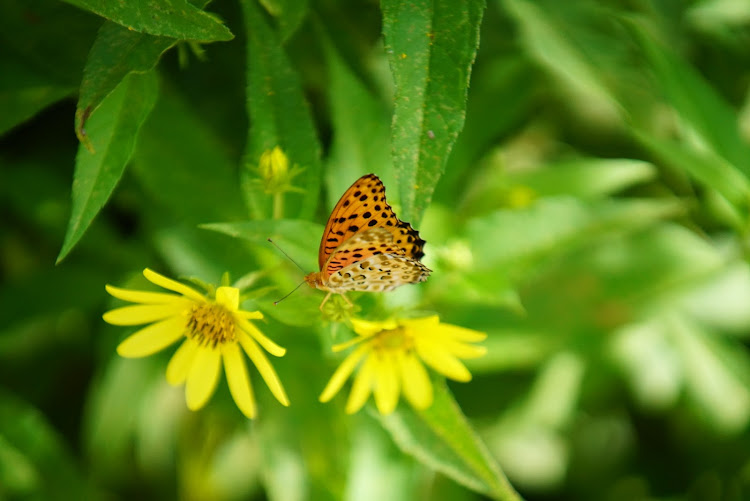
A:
(116, 53)
(113, 132)
(171, 18)
(705, 166)
(431, 46)
(184, 166)
(361, 140)
(717, 379)
(442, 438)
(702, 108)
(553, 48)
(554, 224)
(279, 116)
(289, 13)
(587, 178)
(298, 238)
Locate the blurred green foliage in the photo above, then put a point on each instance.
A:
(586, 206)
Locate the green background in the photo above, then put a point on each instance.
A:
(580, 171)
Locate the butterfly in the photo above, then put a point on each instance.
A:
(365, 247)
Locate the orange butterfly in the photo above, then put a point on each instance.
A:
(365, 247)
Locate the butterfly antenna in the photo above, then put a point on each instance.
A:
(283, 298)
(290, 259)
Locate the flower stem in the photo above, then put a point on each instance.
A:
(278, 205)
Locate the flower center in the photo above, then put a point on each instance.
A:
(210, 324)
(397, 339)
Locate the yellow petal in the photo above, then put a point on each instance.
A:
(180, 363)
(347, 344)
(203, 377)
(386, 384)
(342, 374)
(252, 315)
(443, 362)
(455, 348)
(153, 338)
(228, 297)
(366, 328)
(142, 297)
(460, 333)
(142, 313)
(255, 333)
(264, 367)
(361, 387)
(173, 285)
(238, 379)
(415, 381)
(420, 324)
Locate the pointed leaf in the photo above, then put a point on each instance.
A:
(171, 18)
(116, 53)
(431, 47)
(113, 132)
(443, 439)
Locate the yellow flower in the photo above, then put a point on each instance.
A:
(214, 330)
(273, 164)
(393, 352)
(274, 171)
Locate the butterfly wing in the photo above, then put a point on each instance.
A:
(362, 208)
(369, 243)
(378, 273)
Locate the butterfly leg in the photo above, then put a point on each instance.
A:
(325, 300)
(351, 305)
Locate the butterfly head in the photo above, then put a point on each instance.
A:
(315, 280)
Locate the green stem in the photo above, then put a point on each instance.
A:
(278, 205)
